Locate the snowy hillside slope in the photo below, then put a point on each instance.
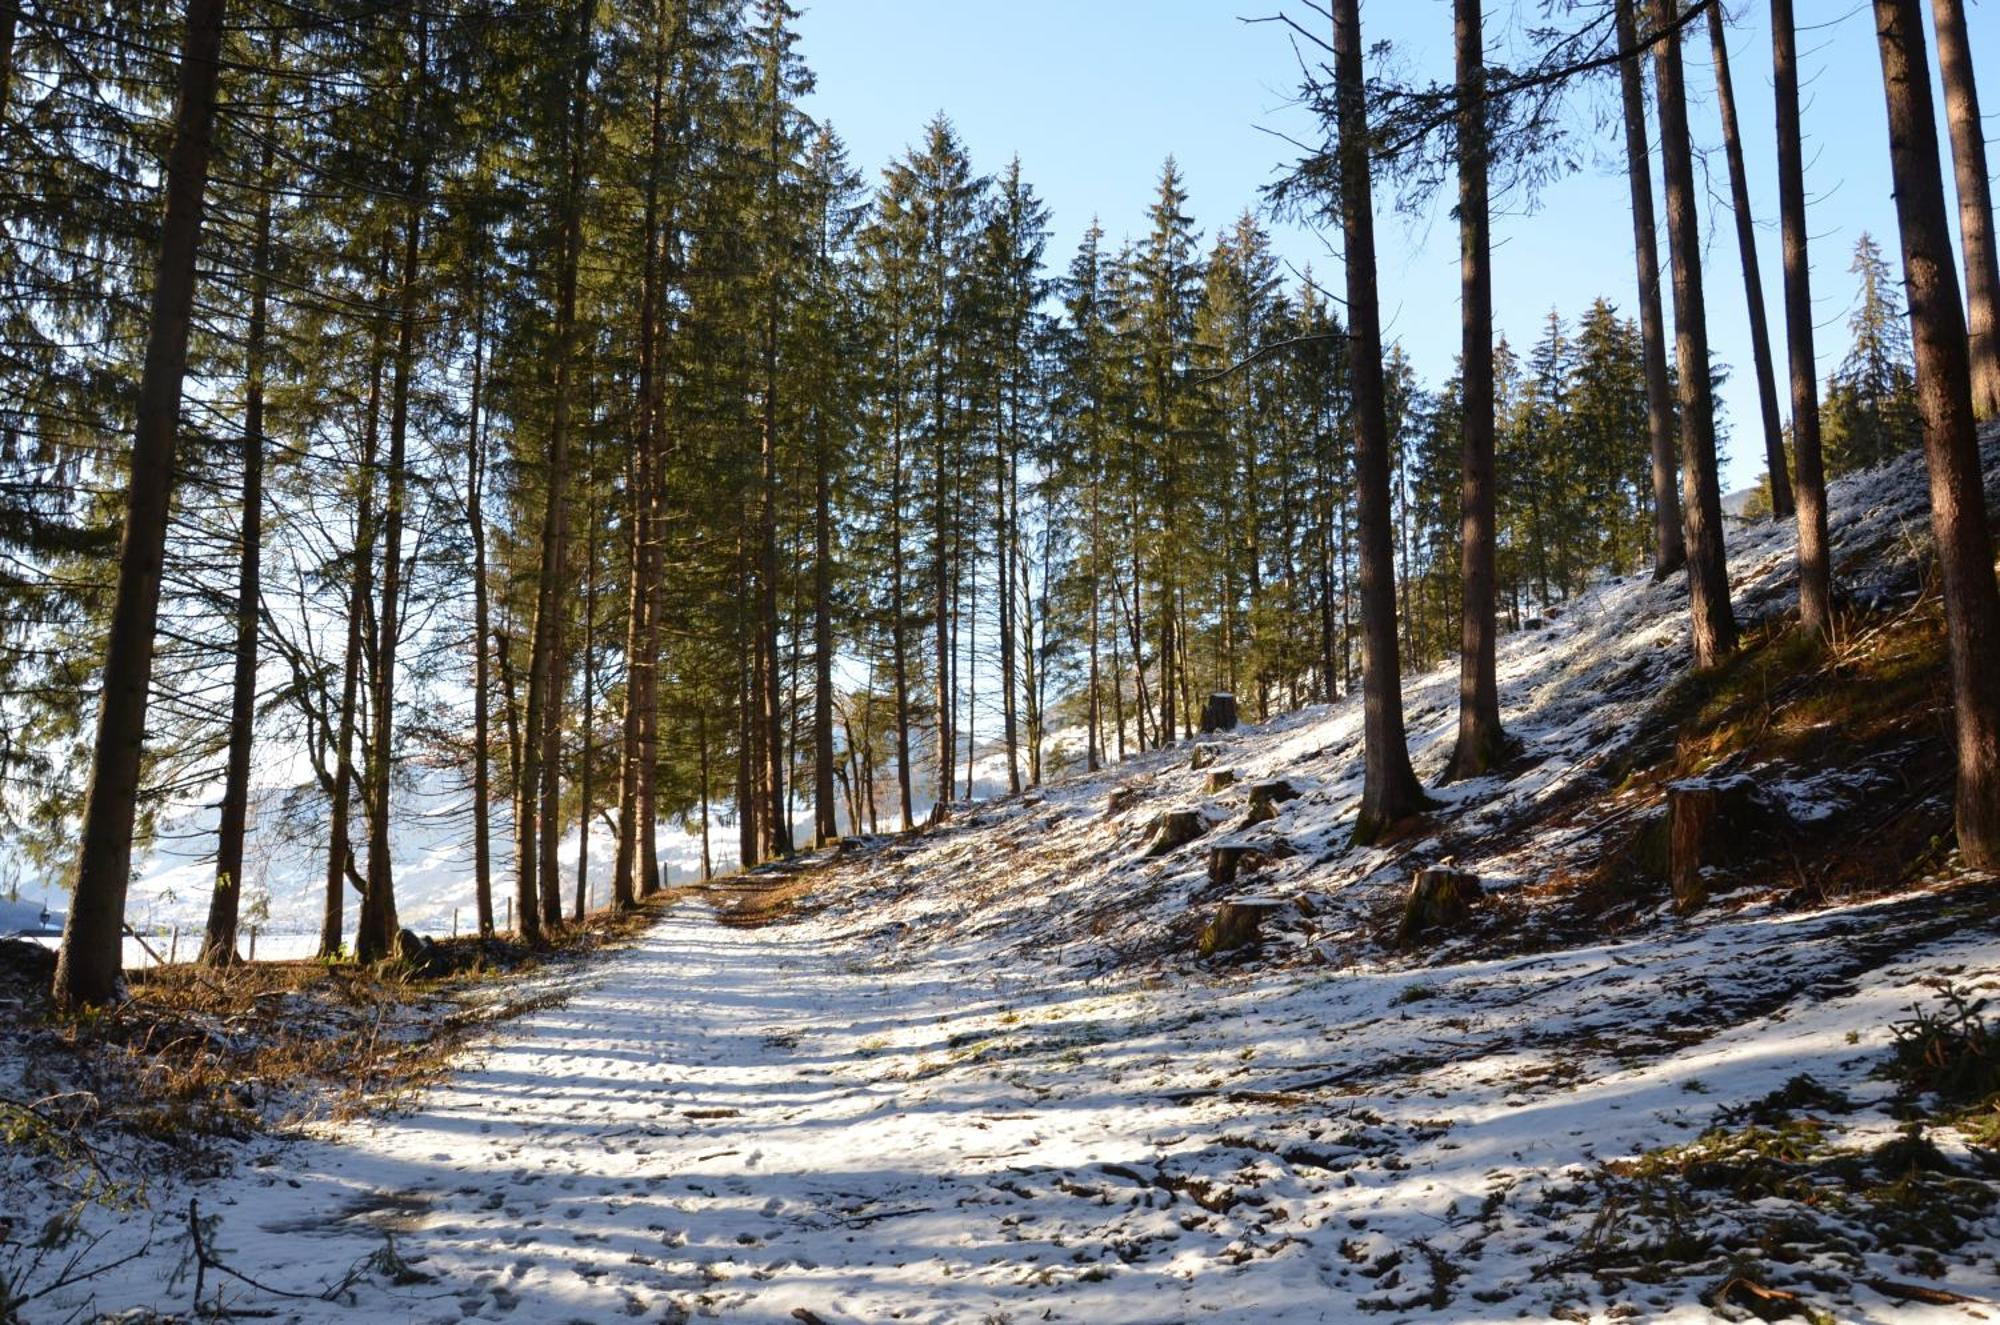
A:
(1062, 866)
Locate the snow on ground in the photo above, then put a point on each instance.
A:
(749, 1122)
(977, 1076)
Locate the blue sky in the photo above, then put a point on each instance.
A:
(1094, 94)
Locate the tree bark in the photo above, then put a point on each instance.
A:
(91, 961)
(1815, 575)
(482, 667)
(540, 897)
(1669, 545)
(550, 842)
(1480, 737)
(376, 927)
(1975, 202)
(225, 901)
(1390, 793)
(1713, 626)
(1003, 554)
(361, 590)
(1753, 281)
(898, 649)
(589, 752)
(641, 636)
(826, 825)
(1951, 446)
(771, 711)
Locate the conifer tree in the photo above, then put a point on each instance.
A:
(1480, 736)
(1669, 543)
(1951, 444)
(1713, 625)
(1390, 792)
(1778, 478)
(1815, 579)
(88, 967)
(1979, 246)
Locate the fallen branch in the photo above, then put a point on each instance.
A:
(1936, 1297)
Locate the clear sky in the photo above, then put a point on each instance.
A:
(1094, 94)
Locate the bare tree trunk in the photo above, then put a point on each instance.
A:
(219, 946)
(1753, 281)
(947, 695)
(546, 870)
(510, 701)
(1117, 693)
(1815, 576)
(482, 665)
(1669, 547)
(625, 884)
(642, 499)
(1004, 460)
(747, 805)
(1975, 202)
(1713, 625)
(582, 907)
(701, 737)
(1093, 756)
(1390, 792)
(649, 711)
(361, 590)
(1480, 737)
(1951, 446)
(777, 824)
(92, 957)
(826, 824)
(540, 897)
(898, 650)
(376, 927)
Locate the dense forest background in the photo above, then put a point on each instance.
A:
(563, 407)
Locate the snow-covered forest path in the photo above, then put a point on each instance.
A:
(740, 1120)
(832, 1120)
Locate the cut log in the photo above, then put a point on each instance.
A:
(1714, 822)
(1174, 830)
(1266, 797)
(1220, 779)
(1120, 800)
(1219, 714)
(1439, 899)
(1226, 860)
(1205, 755)
(1237, 924)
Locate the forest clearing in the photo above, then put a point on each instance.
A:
(622, 696)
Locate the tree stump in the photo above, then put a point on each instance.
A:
(1439, 899)
(1120, 800)
(1220, 779)
(1219, 714)
(1714, 821)
(1266, 797)
(1226, 860)
(1237, 924)
(1204, 756)
(1691, 815)
(420, 953)
(1174, 830)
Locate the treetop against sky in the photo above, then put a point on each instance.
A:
(1095, 95)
